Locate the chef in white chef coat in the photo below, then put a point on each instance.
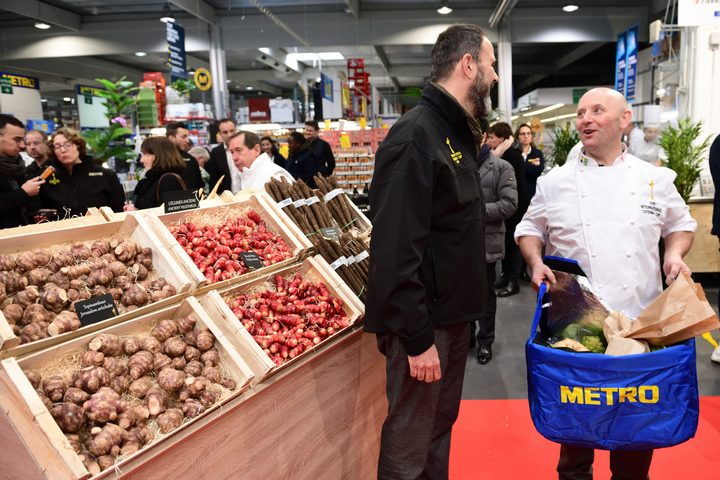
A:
(256, 167)
(608, 210)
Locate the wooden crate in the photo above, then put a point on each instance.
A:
(108, 213)
(160, 224)
(133, 228)
(93, 216)
(37, 442)
(321, 420)
(262, 366)
(335, 278)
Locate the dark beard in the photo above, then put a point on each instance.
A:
(480, 98)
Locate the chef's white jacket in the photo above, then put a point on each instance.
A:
(610, 219)
(261, 171)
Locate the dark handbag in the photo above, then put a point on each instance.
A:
(177, 177)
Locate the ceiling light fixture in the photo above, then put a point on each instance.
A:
(167, 16)
(140, 54)
(249, 87)
(66, 99)
(445, 8)
(570, 8)
(42, 25)
(544, 110)
(313, 57)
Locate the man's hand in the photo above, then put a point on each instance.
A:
(426, 366)
(673, 266)
(542, 273)
(32, 186)
(500, 149)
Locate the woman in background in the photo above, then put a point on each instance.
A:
(301, 162)
(533, 159)
(78, 183)
(269, 146)
(163, 173)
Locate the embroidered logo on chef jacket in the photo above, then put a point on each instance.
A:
(651, 208)
(95, 174)
(456, 156)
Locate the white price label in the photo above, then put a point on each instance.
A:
(299, 203)
(361, 256)
(342, 261)
(311, 201)
(332, 194)
(285, 203)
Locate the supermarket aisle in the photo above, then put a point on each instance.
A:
(494, 438)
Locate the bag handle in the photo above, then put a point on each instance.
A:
(538, 309)
(177, 177)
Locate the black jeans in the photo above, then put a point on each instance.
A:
(576, 463)
(415, 439)
(486, 324)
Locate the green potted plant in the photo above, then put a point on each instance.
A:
(684, 153)
(183, 87)
(106, 143)
(564, 139)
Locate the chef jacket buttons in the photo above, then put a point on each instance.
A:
(587, 224)
(625, 287)
(583, 194)
(632, 193)
(632, 223)
(628, 254)
(593, 254)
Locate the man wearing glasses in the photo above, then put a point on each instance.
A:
(15, 196)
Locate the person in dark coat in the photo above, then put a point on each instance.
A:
(427, 272)
(301, 162)
(500, 139)
(221, 163)
(178, 133)
(269, 146)
(714, 160)
(499, 188)
(16, 193)
(163, 173)
(322, 149)
(533, 158)
(78, 183)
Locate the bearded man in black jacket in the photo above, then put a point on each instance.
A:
(427, 278)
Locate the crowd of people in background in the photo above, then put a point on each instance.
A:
(77, 182)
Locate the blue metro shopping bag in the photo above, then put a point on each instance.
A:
(632, 402)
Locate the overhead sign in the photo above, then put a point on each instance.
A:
(259, 110)
(87, 90)
(631, 49)
(326, 87)
(694, 13)
(176, 51)
(620, 66)
(12, 80)
(202, 79)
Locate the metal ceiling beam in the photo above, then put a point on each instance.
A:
(563, 62)
(43, 12)
(353, 8)
(380, 52)
(198, 8)
(501, 12)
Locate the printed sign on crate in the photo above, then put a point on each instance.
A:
(96, 309)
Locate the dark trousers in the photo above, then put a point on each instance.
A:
(576, 463)
(513, 261)
(415, 439)
(486, 324)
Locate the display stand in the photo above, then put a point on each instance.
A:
(704, 255)
(319, 419)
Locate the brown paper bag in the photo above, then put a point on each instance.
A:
(679, 313)
(615, 327)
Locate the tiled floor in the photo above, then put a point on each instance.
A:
(504, 376)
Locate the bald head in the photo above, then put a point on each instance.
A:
(602, 115)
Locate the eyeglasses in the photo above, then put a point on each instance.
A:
(18, 140)
(63, 146)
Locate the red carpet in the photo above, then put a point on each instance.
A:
(496, 440)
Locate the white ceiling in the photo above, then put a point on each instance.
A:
(98, 38)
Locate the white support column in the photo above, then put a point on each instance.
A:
(504, 61)
(218, 70)
(700, 71)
